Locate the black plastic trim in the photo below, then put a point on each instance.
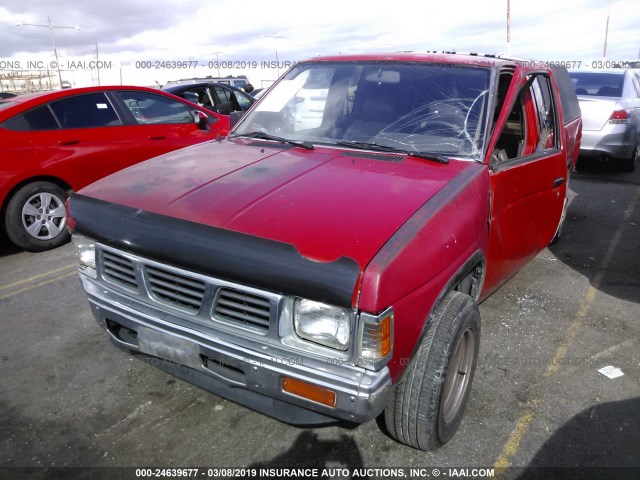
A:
(375, 156)
(514, 162)
(264, 144)
(238, 257)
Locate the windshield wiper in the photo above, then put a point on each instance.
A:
(385, 148)
(275, 138)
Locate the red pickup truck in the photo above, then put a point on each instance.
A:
(325, 261)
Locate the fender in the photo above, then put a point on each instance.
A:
(434, 251)
(474, 267)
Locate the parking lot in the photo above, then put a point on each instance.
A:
(69, 398)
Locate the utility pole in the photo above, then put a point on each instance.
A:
(53, 39)
(606, 33)
(218, 61)
(508, 28)
(97, 63)
(275, 37)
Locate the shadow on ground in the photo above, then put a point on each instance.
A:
(308, 450)
(584, 248)
(6, 247)
(602, 442)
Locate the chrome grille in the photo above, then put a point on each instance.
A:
(241, 307)
(178, 290)
(119, 270)
(196, 300)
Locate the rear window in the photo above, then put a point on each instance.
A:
(39, 118)
(600, 84)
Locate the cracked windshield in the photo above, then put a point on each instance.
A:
(407, 106)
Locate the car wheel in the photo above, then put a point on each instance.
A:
(35, 218)
(426, 407)
(629, 164)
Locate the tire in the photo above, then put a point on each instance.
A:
(629, 164)
(425, 408)
(26, 220)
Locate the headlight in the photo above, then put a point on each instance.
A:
(86, 252)
(323, 324)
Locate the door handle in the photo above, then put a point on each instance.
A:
(68, 142)
(156, 137)
(558, 181)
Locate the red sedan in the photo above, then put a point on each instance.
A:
(57, 142)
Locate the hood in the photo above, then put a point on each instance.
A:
(328, 203)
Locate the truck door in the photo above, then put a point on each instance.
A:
(528, 176)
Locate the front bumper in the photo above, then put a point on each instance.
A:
(240, 369)
(614, 141)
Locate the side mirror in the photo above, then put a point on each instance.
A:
(235, 117)
(201, 119)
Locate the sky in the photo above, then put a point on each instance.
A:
(133, 35)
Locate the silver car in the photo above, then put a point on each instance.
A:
(610, 104)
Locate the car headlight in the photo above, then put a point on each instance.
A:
(324, 324)
(86, 252)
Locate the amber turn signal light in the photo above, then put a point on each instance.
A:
(309, 391)
(385, 336)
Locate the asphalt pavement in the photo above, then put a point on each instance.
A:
(68, 398)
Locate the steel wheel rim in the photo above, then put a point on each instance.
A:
(44, 216)
(458, 375)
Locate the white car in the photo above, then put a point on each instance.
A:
(610, 105)
(309, 108)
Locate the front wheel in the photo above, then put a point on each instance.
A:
(425, 409)
(35, 217)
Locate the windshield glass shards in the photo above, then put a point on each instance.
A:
(419, 107)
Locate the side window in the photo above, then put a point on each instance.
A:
(199, 96)
(85, 111)
(243, 101)
(205, 98)
(223, 94)
(225, 105)
(545, 112)
(532, 123)
(503, 87)
(39, 118)
(151, 108)
(511, 142)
